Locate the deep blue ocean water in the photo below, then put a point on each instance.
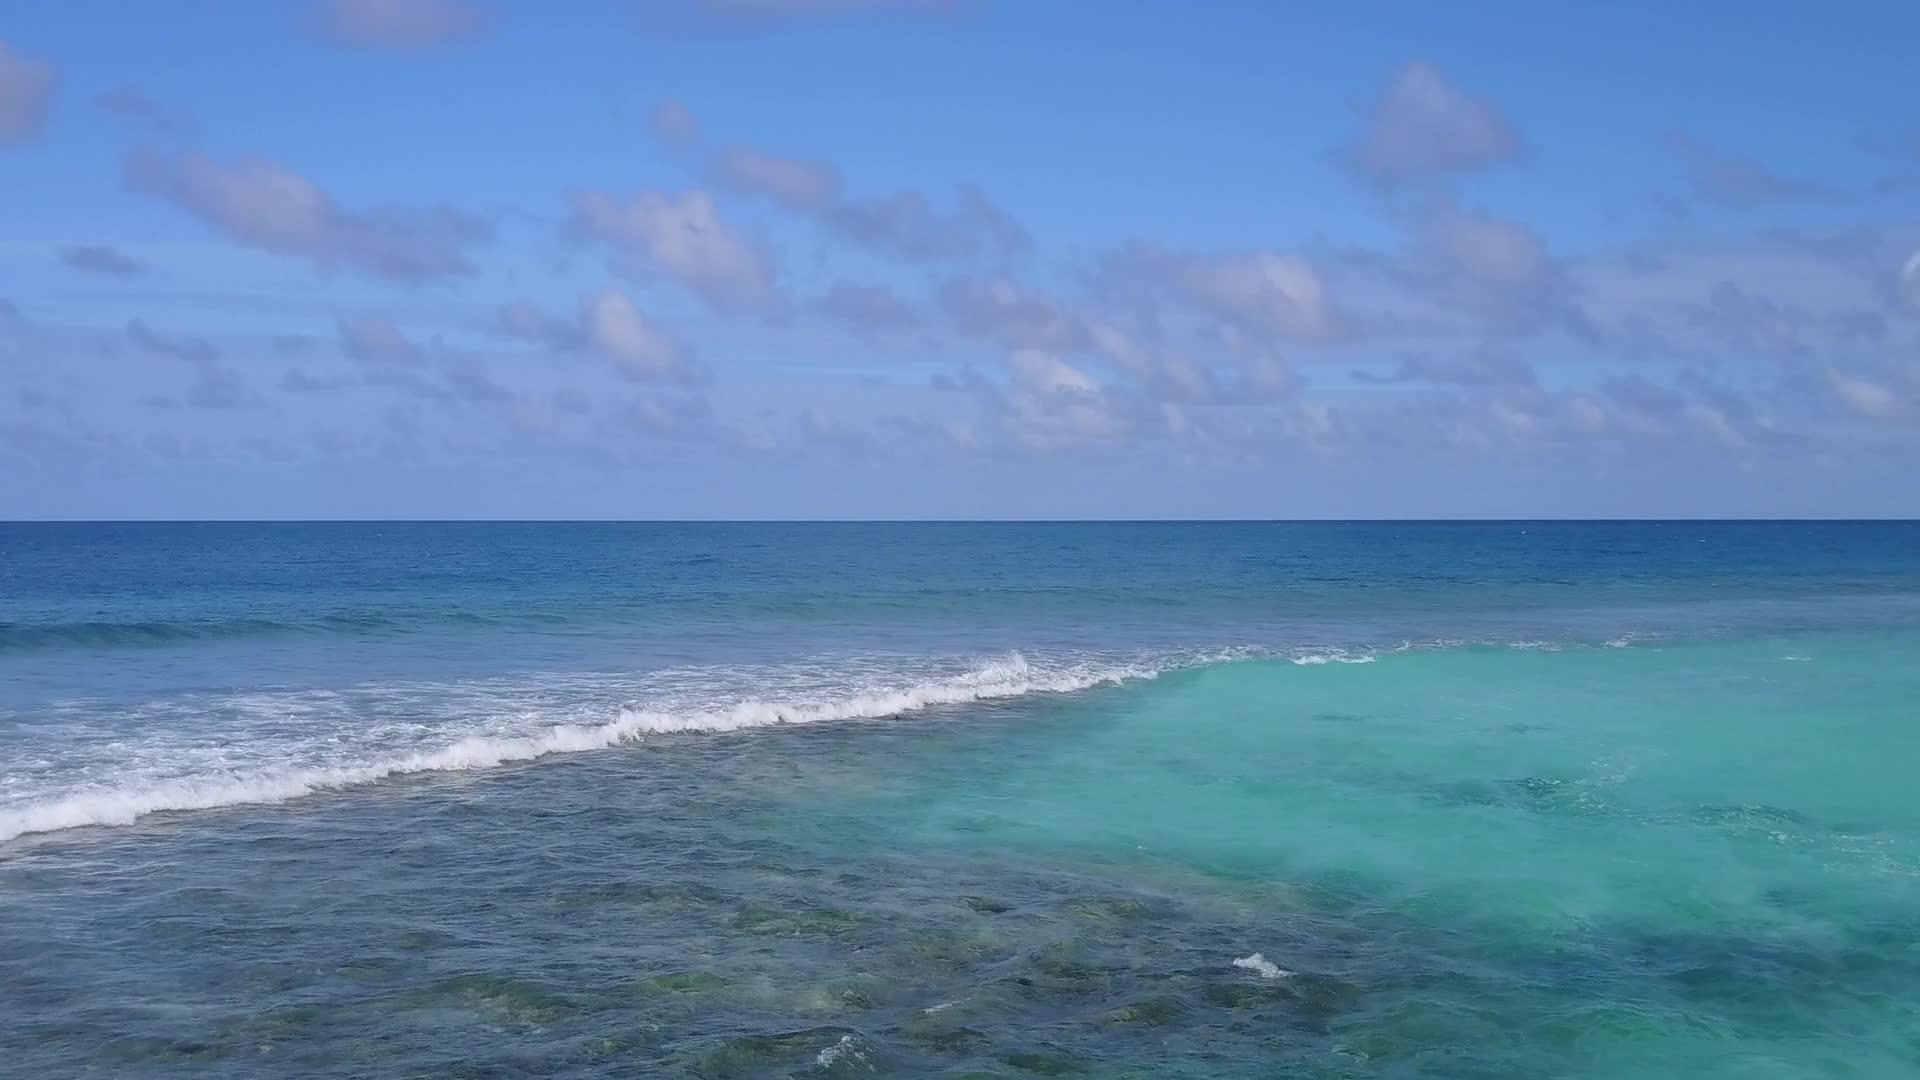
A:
(1159, 800)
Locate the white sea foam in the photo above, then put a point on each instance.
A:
(113, 800)
(1262, 967)
(845, 1048)
(1316, 659)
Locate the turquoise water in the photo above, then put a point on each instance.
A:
(1500, 800)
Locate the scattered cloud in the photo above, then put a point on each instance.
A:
(370, 339)
(214, 386)
(129, 103)
(1472, 334)
(1738, 319)
(26, 92)
(668, 415)
(903, 225)
(217, 387)
(1497, 270)
(100, 259)
(1050, 405)
(524, 321)
(403, 25)
(1000, 310)
(547, 414)
(1864, 395)
(1044, 373)
(194, 350)
(867, 308)
(1265, 293)
(819, 7)
(806, 187)
(1424, 127)
(1734, 180)
(747, 15)
(268, 449)
(408, 381)
(477, 387)
(672, 122)
(1481, 368)
(609, 324)
(626, 336)
(907, 225)
(297, 381)
(683, 235)
(821, 429)
(270, 207)
(58, 446)
(1755, 299)
(1172, 375)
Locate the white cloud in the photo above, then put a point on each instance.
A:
(610, 324)
(398, 24)
(194, 350)
(683, 235)
(1864, 396)
(1050, 405)
(528, 322)
(673, 122)
(1740, 181)
(1263, 291)
(1715, 422)
(907, 225)
(271, 207)
(370, 339)
(1424, 127)
(867, 307)
(802, 186)
(620, 331)
(130, 103)
(960, 433)
(26, 89)
(214, 386)
(1497, 270)
(1489, 249)
(1044, 373)
(1482, 368)
(101, 259)
(1585, 415)
(1017, 317)
(801, 8)
(904, 224)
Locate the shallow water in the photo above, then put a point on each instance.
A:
(1520, 800)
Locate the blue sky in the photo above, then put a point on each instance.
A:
(977, 258)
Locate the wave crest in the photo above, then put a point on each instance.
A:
(1009, 677)
(115, 634)
(1317, 659)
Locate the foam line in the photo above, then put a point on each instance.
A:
(107, 805)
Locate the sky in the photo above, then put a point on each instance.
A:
(958, 259)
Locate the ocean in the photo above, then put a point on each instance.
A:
(1503, 799)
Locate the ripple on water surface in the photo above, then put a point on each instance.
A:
(1248, 870)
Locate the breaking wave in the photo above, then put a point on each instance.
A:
(109, 804)
(183, 778)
